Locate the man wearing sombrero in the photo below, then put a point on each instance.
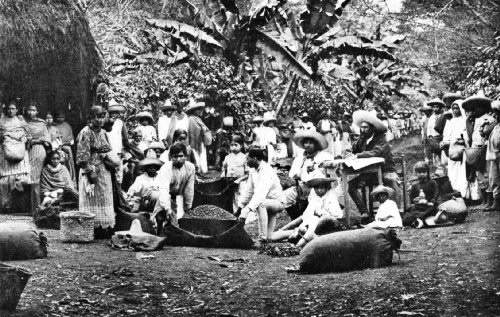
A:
(435, 136)
(167, 109)
(372, 143)
(306, 163)
(477, 109)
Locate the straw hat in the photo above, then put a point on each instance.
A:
(319, 181)
(477, 101)
(257, 119)
(269, 118)
(450, 97)
(156, 145)
(305, 116)
(150, 161)
(167, 105)
(135, 230)
(426, 108)
(114, 106)
(435, 101)
(144, 115)
(382, 189)
(194, 106)
(347, 114)
(300, 136)
(360, 116)
(495, 105)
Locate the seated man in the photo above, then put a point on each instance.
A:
(176, 177)
(306, 163)
(372, 143)
(263, 194)
(143, 194)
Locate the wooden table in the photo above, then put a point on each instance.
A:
(349, 173)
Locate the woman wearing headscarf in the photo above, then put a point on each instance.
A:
(95, 182)
(14, 157)
(39, 145)
(455, 134)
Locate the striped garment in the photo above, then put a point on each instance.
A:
(100, 203)
(37, 156)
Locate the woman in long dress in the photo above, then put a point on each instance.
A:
(14, 158)
(455, 132)
(39, 145)
(95, 187)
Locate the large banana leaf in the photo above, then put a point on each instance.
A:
(351, 45)
(265, 12)
(184, 30)
(336, 71)
(276, 48)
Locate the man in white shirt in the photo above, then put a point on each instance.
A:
(306, 163)
(144, 193)
(263, 195)
(164, 121)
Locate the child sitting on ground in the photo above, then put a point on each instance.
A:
(323, 208)
(55, 182)
(424, 197)
(388, 212)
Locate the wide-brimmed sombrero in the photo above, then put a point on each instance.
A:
(144, 115)
(435, 101)
(269, 119)
(426, 108)
(135, 230)
(257, 119)
(156, 145)
(319, 181)
(114, 106)
(150, 161)
(495, 105)
(449, 97)
(360, 116)
(382, 189)
(301, 135)
(167, 105)
(194, 106)
(477, 101)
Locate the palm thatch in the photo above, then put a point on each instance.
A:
(47, 55)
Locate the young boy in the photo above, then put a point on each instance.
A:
(388, 212)
(144, 194)
(145, 120)
(494, 151)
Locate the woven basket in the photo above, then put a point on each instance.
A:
(12, 283)
(77, 226)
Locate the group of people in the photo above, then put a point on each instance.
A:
(461, 138)
(154, 166)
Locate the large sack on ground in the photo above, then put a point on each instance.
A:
(349, 250)
(19, 242)
(455, 209)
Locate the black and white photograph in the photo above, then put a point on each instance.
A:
(249, 158)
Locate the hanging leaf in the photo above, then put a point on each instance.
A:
(264, 12)
(351, 45)
(184, 30)
(336, 70)
(321, 15)
(274, 47)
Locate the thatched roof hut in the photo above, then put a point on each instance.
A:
(47, 56)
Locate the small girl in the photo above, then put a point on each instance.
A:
(234, 165)
(137, 140)
(323, 208)
(388, 212)
(146, 121)
(55, 181)
(424, 197)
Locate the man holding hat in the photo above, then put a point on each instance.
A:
(478, 109)
(144, 192)
(306, 163)
(372, 143)
(164, 120)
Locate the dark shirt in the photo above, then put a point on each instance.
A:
(430, 188)
(377, 147)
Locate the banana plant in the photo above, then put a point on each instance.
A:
(302, 36)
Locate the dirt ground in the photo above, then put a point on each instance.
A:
(449, 271)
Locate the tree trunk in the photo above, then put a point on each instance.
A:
(286, 94)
